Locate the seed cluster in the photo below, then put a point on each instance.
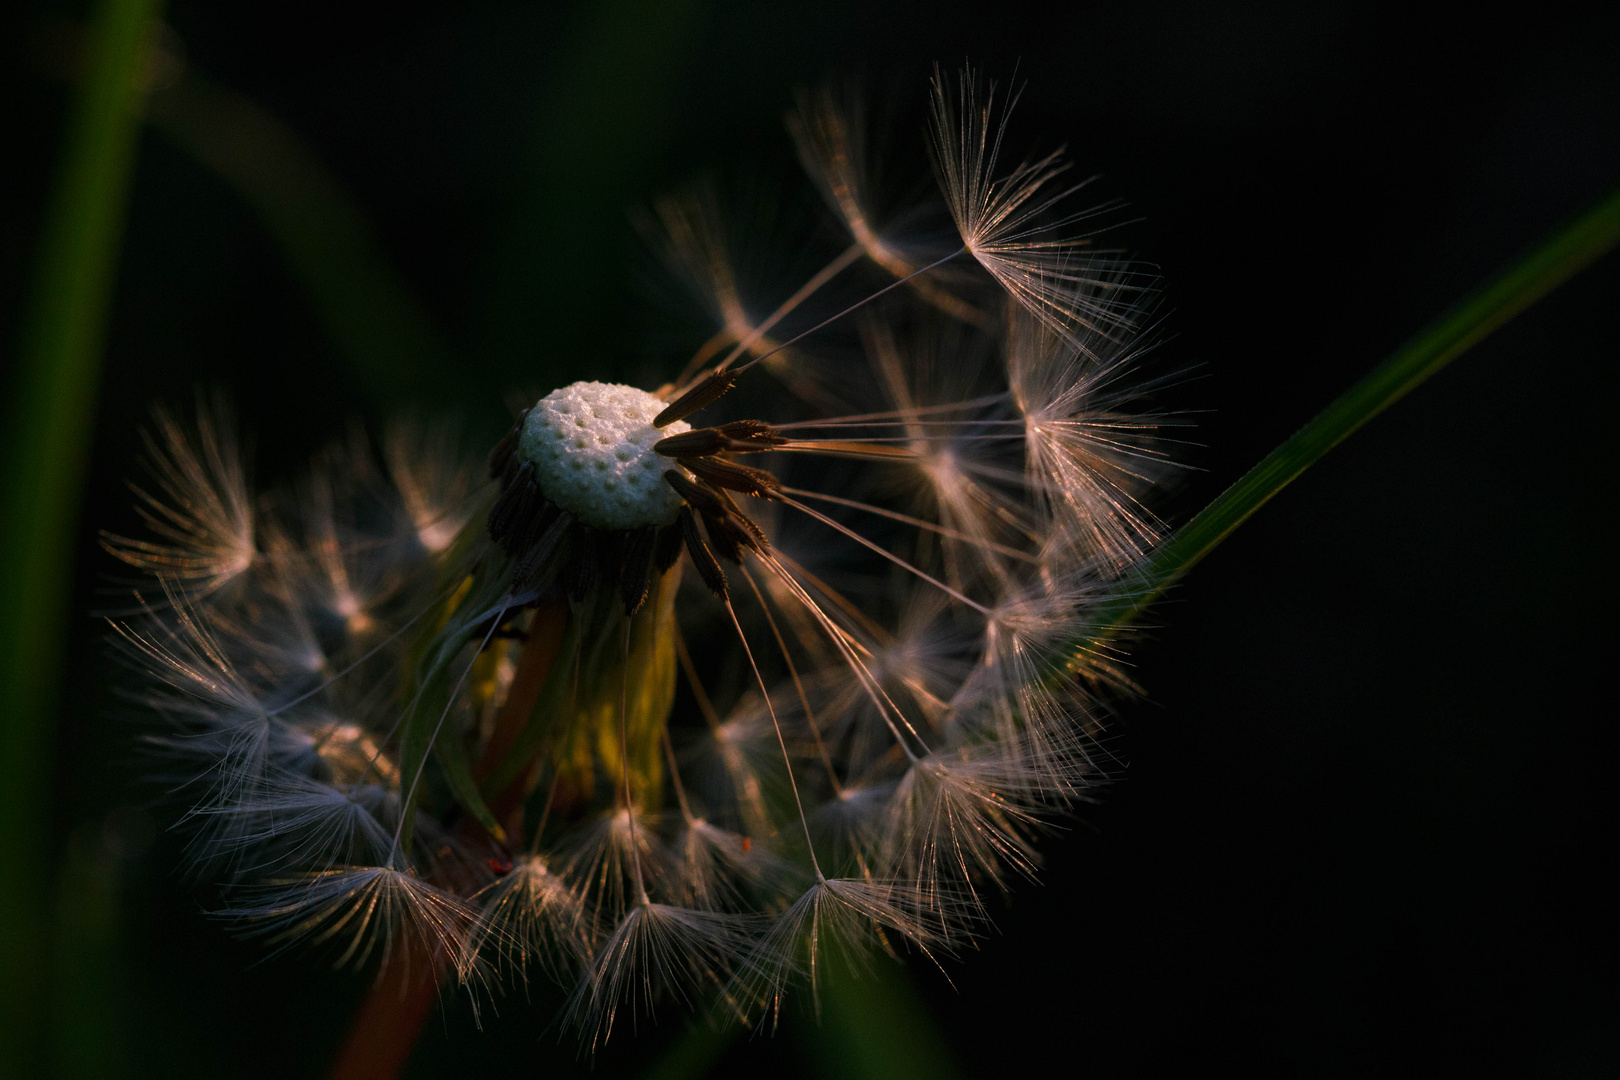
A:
(591, 444)
(497, 724)
(584, 491)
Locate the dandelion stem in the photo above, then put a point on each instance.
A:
(897, 560)
(1544, 269)
(926, 526)
(546, 632)
(545, 814)
(844, 644)
(390, 1019)
(893, 416)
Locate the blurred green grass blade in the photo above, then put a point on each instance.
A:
(50, 406)
(876, 1027)
(695, 1054)
(394, 352)
(1544, 269)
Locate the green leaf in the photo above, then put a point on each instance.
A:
(50, 406)
(1544, 269)
(452, 754)
(434, 680)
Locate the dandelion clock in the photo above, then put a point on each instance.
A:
(686, 697)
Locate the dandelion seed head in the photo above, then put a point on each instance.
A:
(591, 445)
(682, 691)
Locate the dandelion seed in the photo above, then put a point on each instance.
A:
(830, 132)
(839, 919)
(367, 910)
(204, 516)
(531, 918)
(656, 950)
(1014, 223)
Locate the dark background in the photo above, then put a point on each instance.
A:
(1368, 806)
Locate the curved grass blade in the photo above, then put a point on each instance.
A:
(1544, 269)
(51, 403)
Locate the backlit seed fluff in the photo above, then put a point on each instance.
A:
(683, 690)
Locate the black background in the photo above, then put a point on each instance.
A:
(1368, 808)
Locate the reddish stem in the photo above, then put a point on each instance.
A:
(390, 1020)
(540, 650)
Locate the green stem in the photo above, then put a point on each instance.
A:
(1547, 267)
(42, 463)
